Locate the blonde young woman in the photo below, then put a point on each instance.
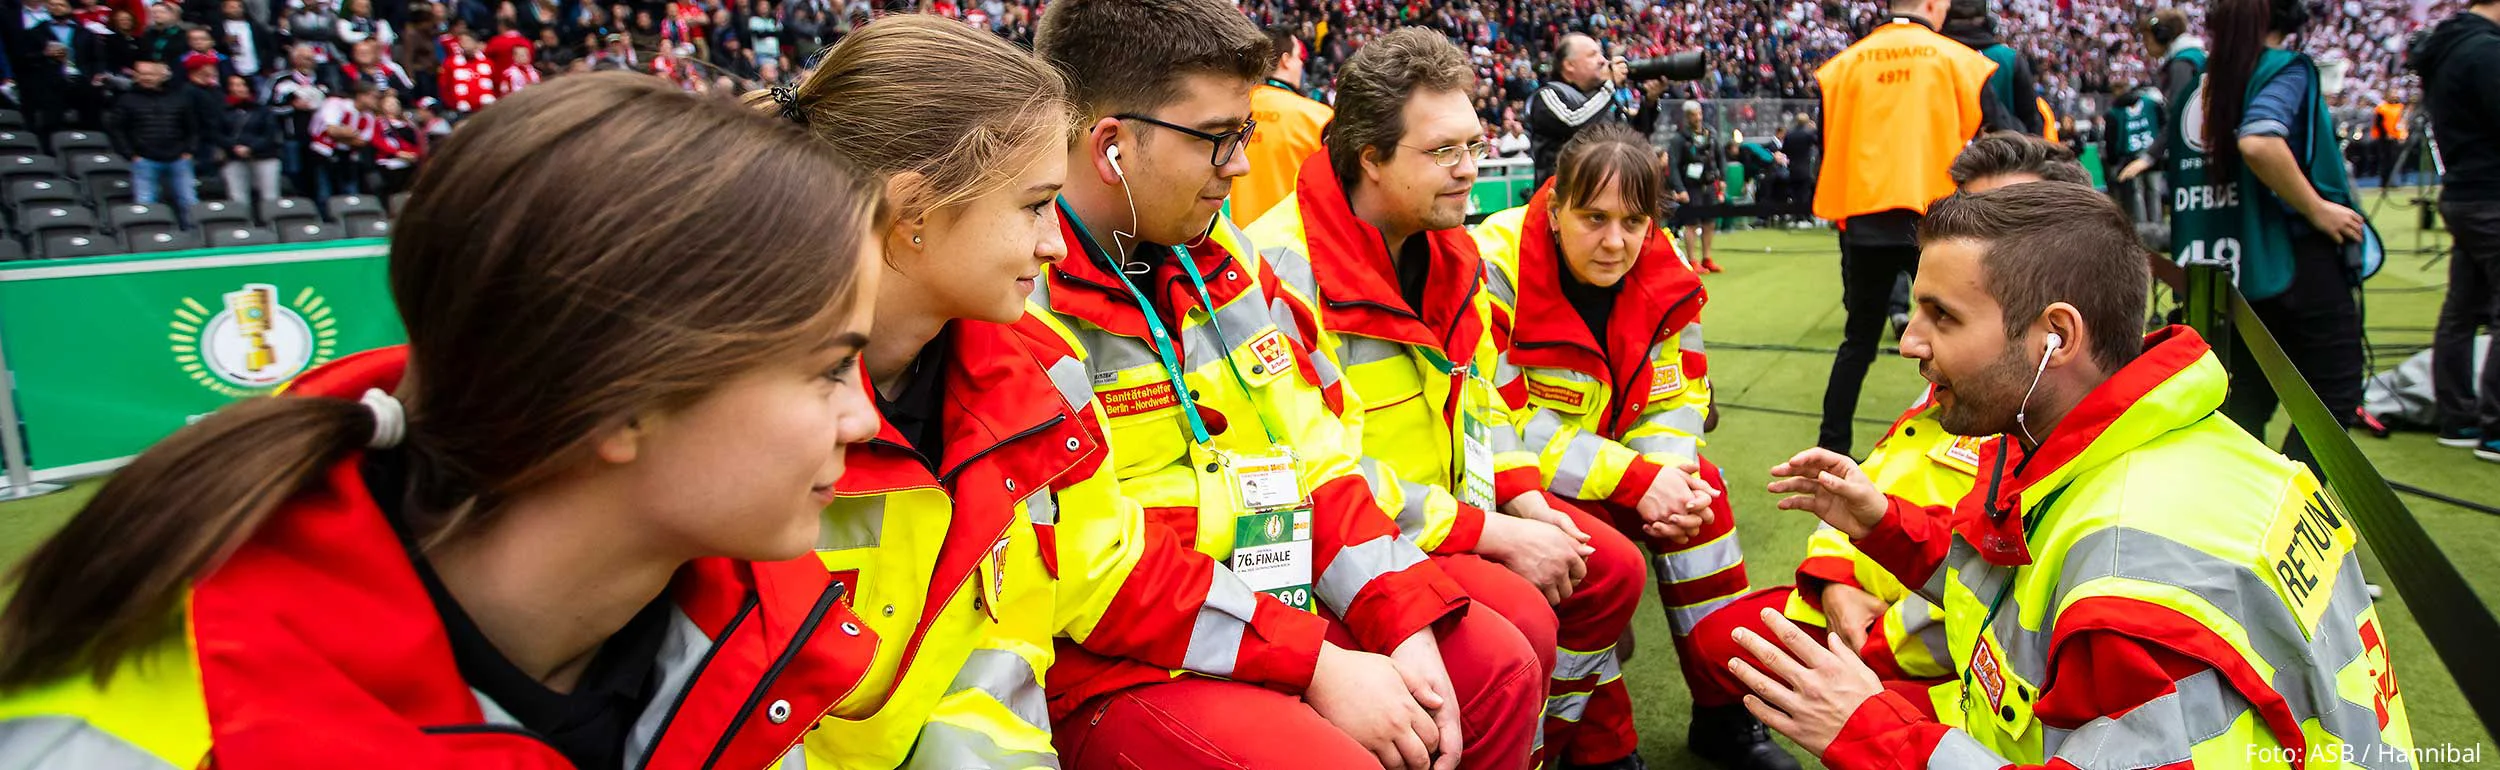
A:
(984, 526)
(567, 525)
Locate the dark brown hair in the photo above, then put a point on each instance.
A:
(538, 310)
(2239, 41)
(963, 142)
(2166, 25)
(2049, 242)
(2011, 152)
(1607, 153)
(1130, 55)
(1374, 86)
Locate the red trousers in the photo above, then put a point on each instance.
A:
(1714, 644)
(1194, 722)
(1695, 577)
(1587, 711)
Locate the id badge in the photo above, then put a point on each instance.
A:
(1272, 535)
(1475, 465)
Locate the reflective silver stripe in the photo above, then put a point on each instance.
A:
(1245, 320)
(1684, 619)
(1687, 420)
(1700, 562)
(1358, 351)
(1918, 618)
(1328, 375)
(1566, 707)
(1215, 636)
(1666, 444)
(1571, 665)
(796, 759)
(1539, 743)
(1956, 556)
(1074, 382)
(1042, 507)
(1292, 269)
(1372, 476)
(70, 743)
(1959, 751)
(1689, 340)
(1108, 352)
(1541, 429)
(1357, 564)
(1503, 372)
(2157, 732)
(682, 651)
(1411, 515)
(1241, 240)
(2304, 672)
(1498, 281)
(852, 522)
(1505, 439)
(1579, 457)
(1281, 312)
(1009, 679)
(945, 746)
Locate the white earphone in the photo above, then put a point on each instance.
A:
(1112, 154)
(2054, 342)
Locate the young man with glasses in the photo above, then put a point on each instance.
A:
(1385, 284)
(1221, 428)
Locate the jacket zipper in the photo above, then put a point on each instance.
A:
(948, 480)
(798, 641)
(696, 675)
(1614, 416)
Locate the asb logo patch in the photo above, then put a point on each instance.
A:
(1962, 454)
(1666, 378)
(1138, 400)
(1275, 354)
(254, 341)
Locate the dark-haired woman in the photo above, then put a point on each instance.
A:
(2269, 199)
(567, 525)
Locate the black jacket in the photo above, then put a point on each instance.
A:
(2022, 104)
(254, 126)
(2460, 66)
(43, 79)
(163, 124)
(1556, 113)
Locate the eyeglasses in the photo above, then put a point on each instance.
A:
(1227, 144)
(1447, 157)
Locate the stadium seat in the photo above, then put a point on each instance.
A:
(344, 206)
(12, 119)
(132, 233)
(308, 231)
(19, 141)
(125, 215)
(283, 210)
(87, 165)
(90, 244)
(109, 189)
(367, 226)
(28, 166)
(44, 219)
(165, 240)
(241, 236)
(26, 191)
(80, 142)
(11, 250)
(222, 212)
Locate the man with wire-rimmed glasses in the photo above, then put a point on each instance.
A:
(1385, 285)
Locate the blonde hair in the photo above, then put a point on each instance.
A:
(915, 93)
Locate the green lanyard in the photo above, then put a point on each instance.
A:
(1161, 339)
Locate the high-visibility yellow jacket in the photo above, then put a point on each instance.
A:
(317, 644)
(2150, 587)
(1381, 586)
(1415, 380)
(1919, 462)
(1897, 107)
(1020, 536)
(1602, 417)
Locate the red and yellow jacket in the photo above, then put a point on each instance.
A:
(316, 645)
(1381, 586)
(1030, 540)
(1919, 462)
(2150, 588)
(1412, 378)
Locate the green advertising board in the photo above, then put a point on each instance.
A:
(110, 354)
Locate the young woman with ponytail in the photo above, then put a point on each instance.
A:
(991, 465)
(567, 525)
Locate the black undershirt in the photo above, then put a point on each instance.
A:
(589, 725)
(1595, 303)
(1414, 269)
(914, 409)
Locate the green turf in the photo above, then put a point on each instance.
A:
(1782, 289)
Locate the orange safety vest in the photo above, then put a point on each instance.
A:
(1897, 108)
(1289, 131)
(2048, 120)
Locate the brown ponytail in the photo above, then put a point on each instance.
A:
(590, 249)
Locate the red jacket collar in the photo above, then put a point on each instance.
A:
(1082, 287)
(1660, 295)
(317, 627)
(1991, 518)
(1357, 278)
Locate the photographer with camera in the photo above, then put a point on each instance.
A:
(2458, 61)
(1897, 107)
(1583, 91)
